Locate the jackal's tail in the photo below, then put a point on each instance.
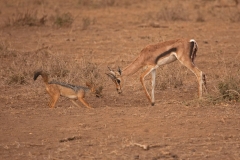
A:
(43, 74)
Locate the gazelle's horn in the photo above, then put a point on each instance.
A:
(119, 70)
(109, 68)
(111, 75)
(111, 71)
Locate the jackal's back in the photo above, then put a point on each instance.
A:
(73, 87)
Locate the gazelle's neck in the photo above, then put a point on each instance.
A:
(132, 68)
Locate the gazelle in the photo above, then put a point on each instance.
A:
(153, 56)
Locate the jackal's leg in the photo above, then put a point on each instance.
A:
(53, 100)
(81, 99)
(73, 101)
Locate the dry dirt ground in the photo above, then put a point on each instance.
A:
(112, 33)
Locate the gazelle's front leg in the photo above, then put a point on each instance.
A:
(153, 85)
(143, 75)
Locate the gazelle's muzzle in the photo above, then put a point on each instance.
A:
(119, 91)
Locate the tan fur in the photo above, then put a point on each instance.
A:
(153, 56)
(57, 89)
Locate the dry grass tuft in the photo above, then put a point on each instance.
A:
(57, 65)
(63, 20)
(4, 52)
(31, 18)
(25, 18)
(234, 16)
(105, 3)
(86, 22)
(171, 76)
(229, 88)
(175, 12)
(226, 86)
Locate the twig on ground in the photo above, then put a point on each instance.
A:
(70, 139)
(145, 146)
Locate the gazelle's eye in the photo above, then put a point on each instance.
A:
(118, 81)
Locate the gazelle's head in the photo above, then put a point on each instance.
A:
(116, 78)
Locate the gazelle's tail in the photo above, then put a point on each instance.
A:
(43, 74)
(193, 50)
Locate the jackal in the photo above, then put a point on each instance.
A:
(56, 89)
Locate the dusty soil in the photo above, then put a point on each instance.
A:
(120, 126)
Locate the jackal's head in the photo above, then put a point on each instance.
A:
(116, 78)
(96, 91)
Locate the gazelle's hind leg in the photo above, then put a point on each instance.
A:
(199, 74)
(204, 82)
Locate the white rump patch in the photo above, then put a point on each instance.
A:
(192, 40)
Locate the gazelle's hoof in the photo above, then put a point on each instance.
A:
(153, 103)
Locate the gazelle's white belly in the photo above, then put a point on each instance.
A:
(166, 60)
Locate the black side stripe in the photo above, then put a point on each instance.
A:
(165, 53)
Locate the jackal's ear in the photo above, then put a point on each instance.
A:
(90, 84)
(100, 88)
(98, 92)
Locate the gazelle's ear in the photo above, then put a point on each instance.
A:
(119, 70)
